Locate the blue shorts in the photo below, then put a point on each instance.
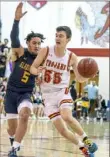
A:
(13, 99)
(84, 109)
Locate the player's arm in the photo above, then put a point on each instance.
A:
(35, 67)
(74, 63)
(15, 42)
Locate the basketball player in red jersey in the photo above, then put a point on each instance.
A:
(58, 61)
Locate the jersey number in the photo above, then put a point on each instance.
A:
(25, 77)
(56, 77)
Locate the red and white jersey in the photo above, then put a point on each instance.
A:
(57, 73)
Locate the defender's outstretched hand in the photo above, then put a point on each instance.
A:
(18, 12)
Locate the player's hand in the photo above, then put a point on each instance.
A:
(38, 80)
(18, 12)
(40, 70)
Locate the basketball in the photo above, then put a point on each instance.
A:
(87, 67)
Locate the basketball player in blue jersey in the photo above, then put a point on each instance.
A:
(21, 83)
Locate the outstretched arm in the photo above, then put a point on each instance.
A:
(15, 42)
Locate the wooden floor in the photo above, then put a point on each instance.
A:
(42, 140)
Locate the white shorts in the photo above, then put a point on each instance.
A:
(54, 101)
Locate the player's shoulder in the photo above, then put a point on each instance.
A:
(18, 51)
(73, 56)
(71, 53)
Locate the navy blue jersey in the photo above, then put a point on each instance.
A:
(85, 99)
(20, 79)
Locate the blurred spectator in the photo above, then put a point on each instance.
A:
(9, 65)
(4, 45)
(3, 60)
(102, 108)
(3, 84)
(1, 103)
(73, 91)
(76, 112)
(5, 51)
(92, 90)
(38, 108)
(84, 104)
(6, 64)
(99, 99)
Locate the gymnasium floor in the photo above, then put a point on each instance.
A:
(42, 140)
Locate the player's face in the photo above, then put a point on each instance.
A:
(61, 39)
(34, 45)
(86, 95)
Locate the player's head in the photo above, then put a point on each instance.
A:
(93, 83)
(63, 36)
(34, 41)
(73, 82)
(86, 94)
(6, 41)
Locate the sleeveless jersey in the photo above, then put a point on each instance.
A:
(57, 73)
(20, 79)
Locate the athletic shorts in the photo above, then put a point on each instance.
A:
(54, 101)
(13, 99)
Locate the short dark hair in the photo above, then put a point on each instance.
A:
(85, 92)
(32, 35)
(66, 29)
(73, 82)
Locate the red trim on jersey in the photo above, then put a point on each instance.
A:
(66, 101)
(54, 115)
(69, 61)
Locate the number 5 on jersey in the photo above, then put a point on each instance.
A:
(25, 77)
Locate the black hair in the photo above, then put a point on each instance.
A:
(73, 82)
(66, 29)
(32, 35)
(85, 92)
